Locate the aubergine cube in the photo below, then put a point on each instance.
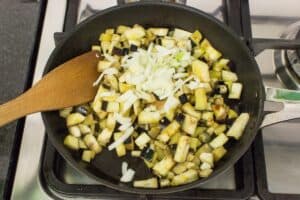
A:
(164, 121)
(133, 47)
(147, 153)
(117, 51)
(183, 99)
(82, 110)
(140, 130)
(104, 105)
(179, 117)
(125, 51)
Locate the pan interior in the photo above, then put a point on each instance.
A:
(106, 167)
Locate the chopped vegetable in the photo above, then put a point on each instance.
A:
(162, 98)
(71, 142)
(142, 140)
(184, 178)
(88, 155)
(164, 166)
(238, 126)
(182, 149)
(189, 124)
(235, 91)
(219, 141)
(75, 118)
(147, 183)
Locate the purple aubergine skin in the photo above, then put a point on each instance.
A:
(106, 167)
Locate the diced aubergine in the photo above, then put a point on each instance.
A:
(65, 112)
(205, 166)
(184, 178)
(189, 109)
(207, 158)
(159, 31)
(220, 64)
(112, 107)
(196, 37)
(134, 33)
(142, 140)
(92, 143)
(111, 121)
(147, 183)
(201, 70)
(205, 173)
(229, 76)
(75, 131)
(200, 99)
(219, 141)
(183, 99)
(136, 153)
(164, 121)
(82, 145)
(75, 118)
(219, 112)
(71, 142)
(164, 182)
(238, 126)
(88, 155)
(168, 43)
(121, 29)
(84, 129)
(84, 110)
(219, 153)
(167, 132)
(104, 136)
(147, 153)
(194, 143)
(148, 117)
(182, 149)
(189, 124)
(181, 34)
(120, 149)
(235, 91)
(164, 166)
(179, 168)
(179, 117)
(204, 148)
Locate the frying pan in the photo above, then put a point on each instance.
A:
(106, 167)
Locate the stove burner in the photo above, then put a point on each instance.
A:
(287, 62)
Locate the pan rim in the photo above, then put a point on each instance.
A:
(234, 158)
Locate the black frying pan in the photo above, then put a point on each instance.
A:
(106, 167)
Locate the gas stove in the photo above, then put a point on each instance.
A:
(267, 171)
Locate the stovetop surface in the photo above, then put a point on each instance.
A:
(275, 151)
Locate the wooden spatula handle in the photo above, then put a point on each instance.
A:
(69, 84)
(14, 109)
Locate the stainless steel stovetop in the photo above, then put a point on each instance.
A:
(281, 142)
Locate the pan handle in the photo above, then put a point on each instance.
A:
(291, 105)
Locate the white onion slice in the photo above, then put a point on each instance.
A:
(128, 176)
(122, 139)
(124, 167)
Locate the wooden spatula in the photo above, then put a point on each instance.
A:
(71, 83)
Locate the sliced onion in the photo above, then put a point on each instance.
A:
(128, 94)
(122, 139)
(128, 176)
(124, 167)
(124, 127)
(122, 120)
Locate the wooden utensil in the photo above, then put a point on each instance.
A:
(69, 84)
